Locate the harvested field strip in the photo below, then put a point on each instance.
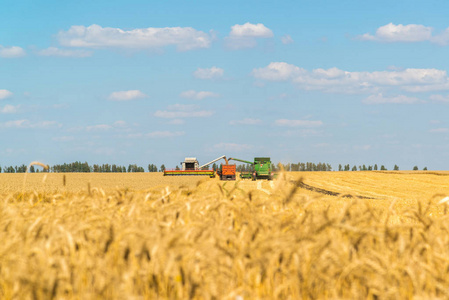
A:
(326, 192)
(402, 185)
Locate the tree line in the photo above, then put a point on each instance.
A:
(79, 167)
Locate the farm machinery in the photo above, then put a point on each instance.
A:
(225, 172)
(261, 168)
(191, 167)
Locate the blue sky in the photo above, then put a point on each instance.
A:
(350, 82)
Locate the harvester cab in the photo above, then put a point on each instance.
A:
(190, 164)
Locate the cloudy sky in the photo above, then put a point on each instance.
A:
(358, 82)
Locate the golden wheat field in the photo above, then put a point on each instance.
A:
(306, 235)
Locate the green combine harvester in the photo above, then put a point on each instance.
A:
(262, 168)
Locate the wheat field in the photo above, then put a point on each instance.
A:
(307, 235)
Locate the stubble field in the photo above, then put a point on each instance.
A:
(335, 235)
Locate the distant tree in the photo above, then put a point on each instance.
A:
(162, 168)
(294, 167)
(425, 169)
(382, 168)
(152, 168)
(9, 169)
(32, 170)
(354, 168)
(0, 169)
(375, 167)
(415, 168)
(340, 168)
(177, 168)
(214, 167)
(396, 168)
(21, 169)
(370, 168)
(347, 168)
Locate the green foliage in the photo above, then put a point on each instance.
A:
(152, 168)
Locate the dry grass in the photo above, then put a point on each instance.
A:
(212, 240)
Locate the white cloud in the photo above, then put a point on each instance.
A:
(127, 95)
(198, 95)
(232, 147)
(5, 94)
(440, 98)
(246, 121)
(278, 71)
(63, 138)
(9, 109)
(183, 107)
(340, 81)
(208, 73)
(251, 30)
(298, 123)
(27, 124)
(407, 33)
(179, 111)
(53, 51)
(164, 134)
(286, 39)
(99, 127)
(120, 123)
(400, 99)
(244, 36)
(95, 36)
(442, 38)
(440, 130)
(400, 33)
(11, 52)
